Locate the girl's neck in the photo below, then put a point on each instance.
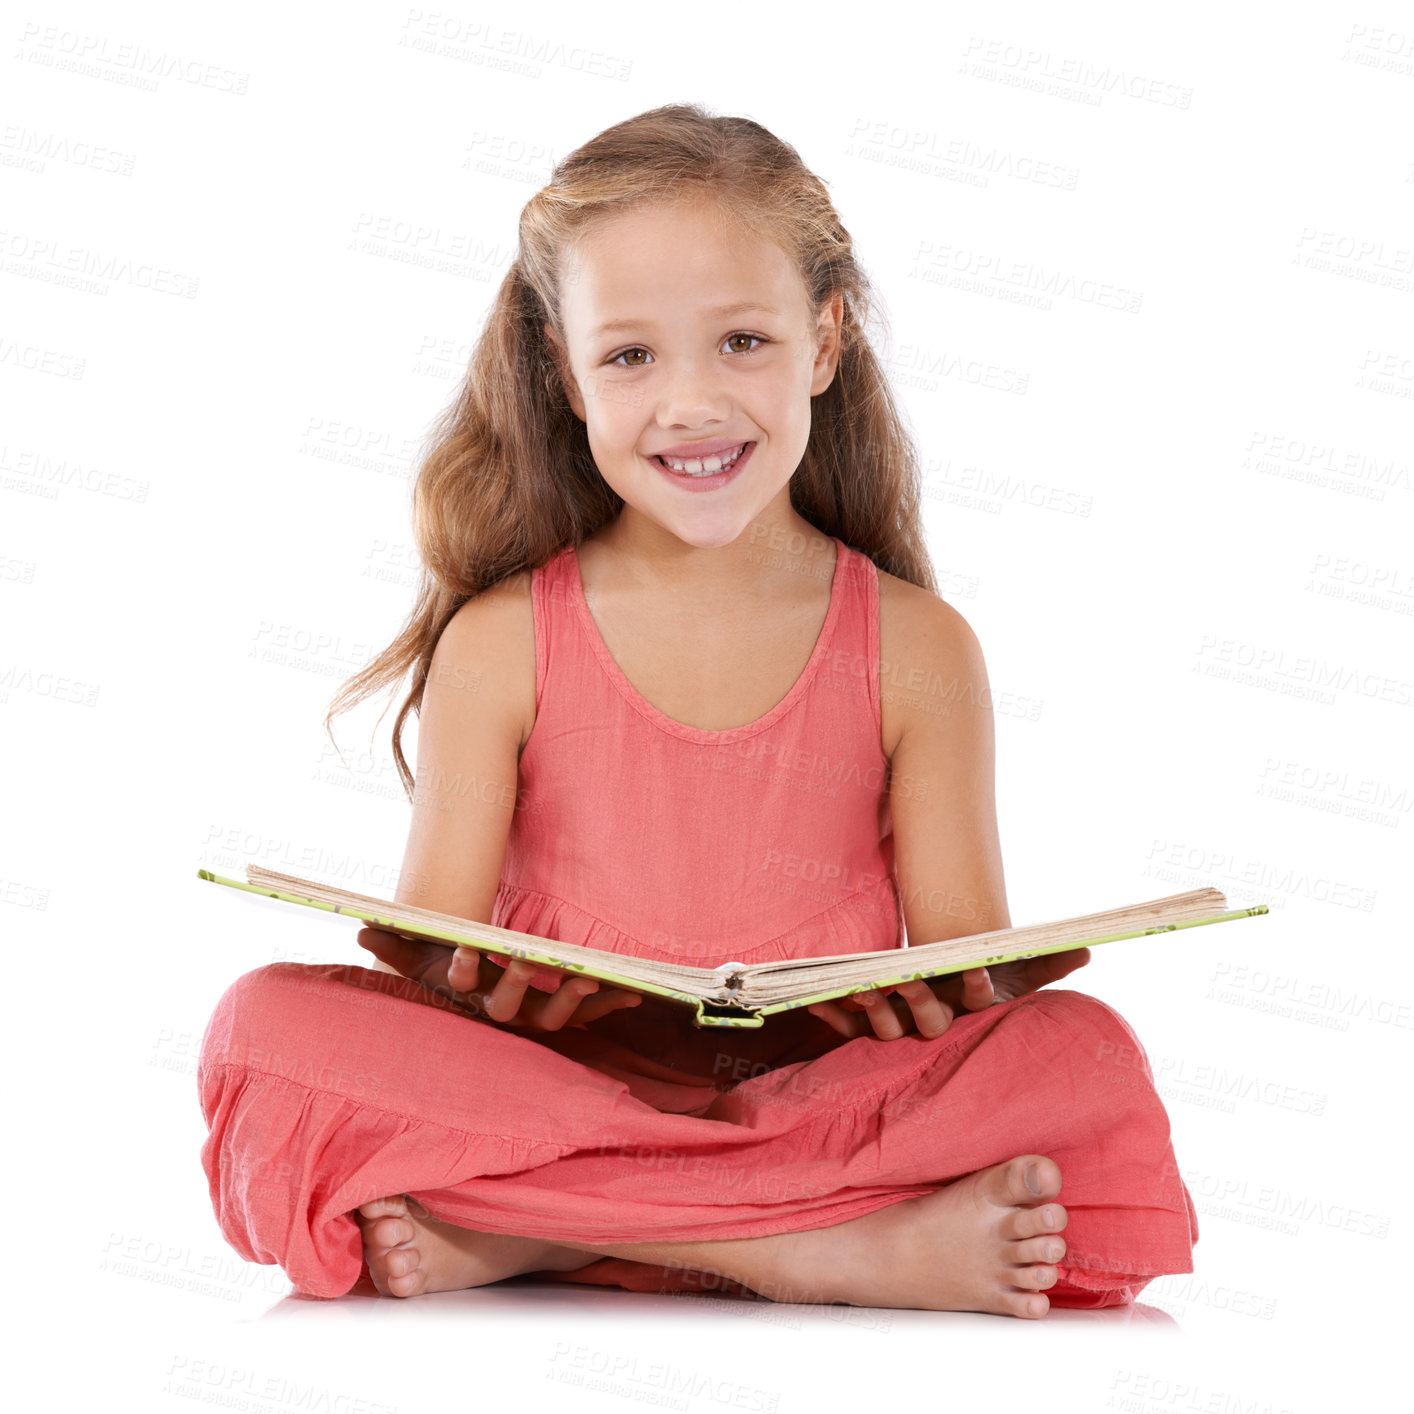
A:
(760, 564)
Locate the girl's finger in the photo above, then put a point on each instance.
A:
(931, 1014)
(855, 1023)
(464, 970)
(882, 1016)
(836, 1018)
(405, 956)
(562, 1003)
(1067, 962)
(509, 992)
(1033, 973)
(600, 1002)
(977, 990)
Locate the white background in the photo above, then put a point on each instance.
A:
(1150, 278)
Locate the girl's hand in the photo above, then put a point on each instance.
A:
(932, 1005)
(495, 993)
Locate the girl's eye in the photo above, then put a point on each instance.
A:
(619, 358)
(743, 335)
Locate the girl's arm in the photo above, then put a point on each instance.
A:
(469, 731)
(478, 707)
(942, 796)
(943, 792)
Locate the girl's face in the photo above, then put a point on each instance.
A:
(690, 337)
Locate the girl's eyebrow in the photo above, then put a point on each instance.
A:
(722, 309)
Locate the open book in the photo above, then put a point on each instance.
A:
(735, 994)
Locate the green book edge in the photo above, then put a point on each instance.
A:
(710, 1014)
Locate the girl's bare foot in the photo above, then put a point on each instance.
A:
(986, 1242)
(410, 1253)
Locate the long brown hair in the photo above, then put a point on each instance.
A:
(510, 480)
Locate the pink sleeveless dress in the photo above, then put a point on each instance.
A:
(646, 836)
(326, 1086)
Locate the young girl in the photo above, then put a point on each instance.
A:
(685, 691)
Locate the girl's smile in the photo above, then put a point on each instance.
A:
(707, 470)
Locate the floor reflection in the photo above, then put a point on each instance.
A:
(526, 1296)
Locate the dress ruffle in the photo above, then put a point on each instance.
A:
(842, 928)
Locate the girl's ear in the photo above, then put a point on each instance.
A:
(562, 364)
(827, 335)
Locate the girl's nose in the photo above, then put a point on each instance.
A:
(690, 396)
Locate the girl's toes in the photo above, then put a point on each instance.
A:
(1037, 1249)
(1037, 1277)
(393, 1206)
(1029, 1307)
(389, 1232)
(401, 1261)
(1038, 1179)
(1037, 1222)
(409, 1284)
(1025, 1180)
(400, 1272)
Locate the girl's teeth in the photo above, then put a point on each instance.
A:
(708, 466)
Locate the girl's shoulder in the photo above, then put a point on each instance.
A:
(925, 644)
(490, 640)
(907, 610)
